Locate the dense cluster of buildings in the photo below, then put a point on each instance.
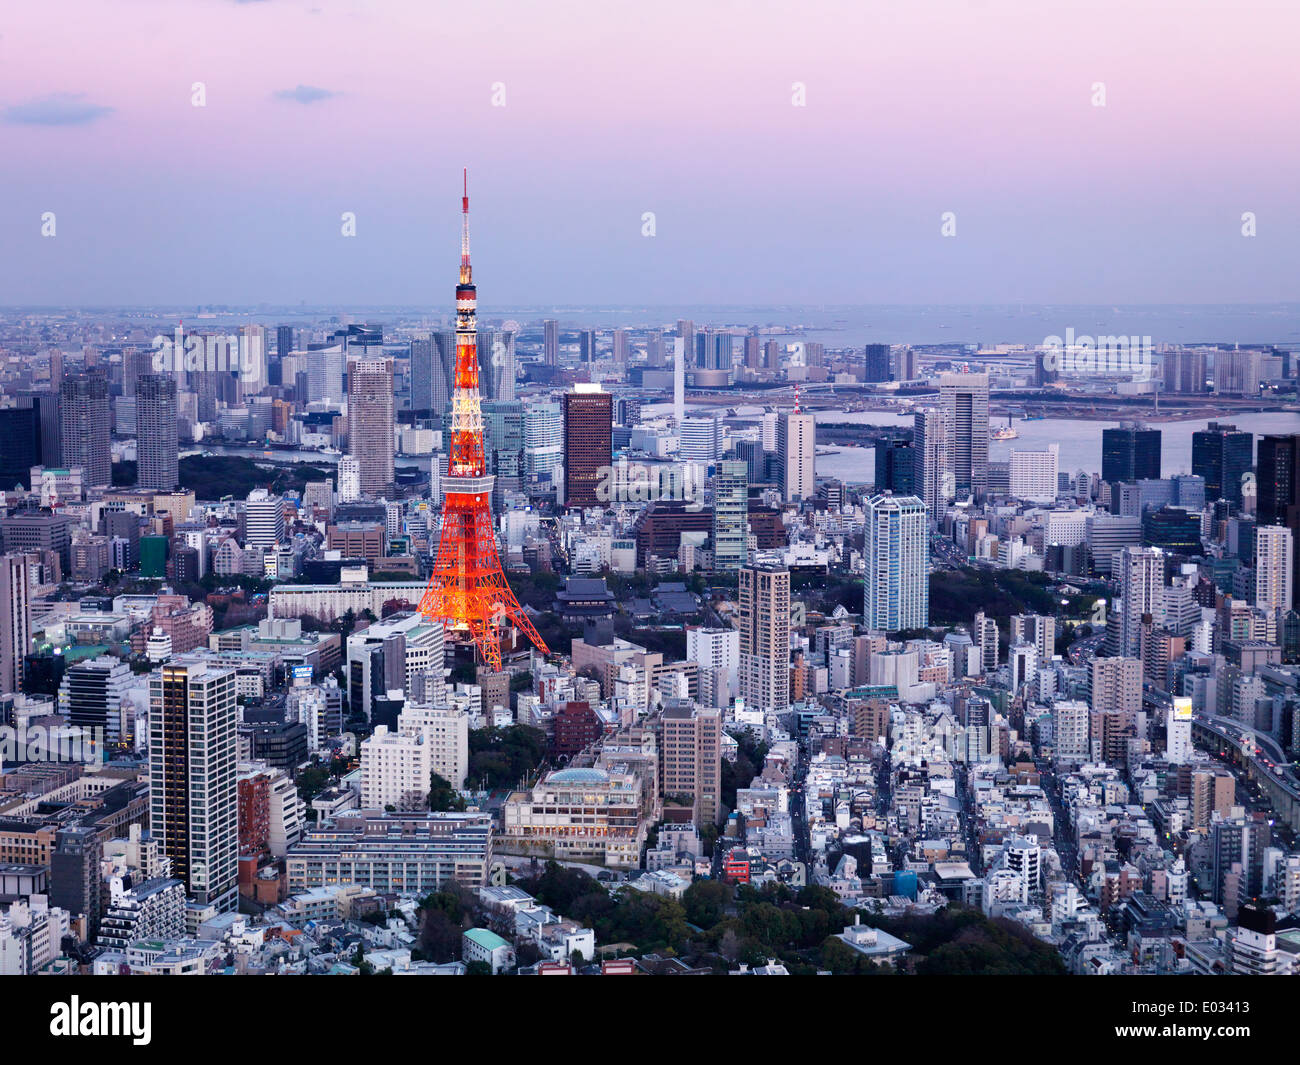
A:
(233, 741)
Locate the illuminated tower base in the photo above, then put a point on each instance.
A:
(468, 589)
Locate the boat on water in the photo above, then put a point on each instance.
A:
(1006, 432)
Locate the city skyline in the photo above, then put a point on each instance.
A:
(631, 631)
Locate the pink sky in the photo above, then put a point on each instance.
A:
(684, 109)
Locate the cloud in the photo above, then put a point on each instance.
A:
(305, 94)
(56, 109)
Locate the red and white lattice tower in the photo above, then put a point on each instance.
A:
(467, 590)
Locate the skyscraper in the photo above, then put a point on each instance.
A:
(1184, 371)
(965, 399)
(90, 695)
(16, 629)
(875, 365)
(326, 365)
(1141, 577)
(700, 439)
(587, 346)
(656, 352)
(84, 419)
(1178, 731)
(157, 446)
(1274, 567)
(432, 361)
(543, 437)
(895, 466)
(349, 480)
(686, 334)
(1033, 474)
(263, 519)
(503, 443)
(897, 588)
(370, 424)
(588, 443)
(1237, 372)
(1278, 502)
(20, 446)
(905, 364)
(1115, 685)
(496, 363)
(1130, 452)
(1223, 456)
(764, 594)
(796, 441)
(713, 349)
(690, 749)
(550, 342)
(932, 478)
(1277, 478)
(730, 516)
(193, 794)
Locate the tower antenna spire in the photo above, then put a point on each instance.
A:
(465, 273)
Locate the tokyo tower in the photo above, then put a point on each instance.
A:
(468, 590)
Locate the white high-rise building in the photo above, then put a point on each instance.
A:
(898, 564)
(965, 398)
(1178, 731)
(349, 479)
(1274, 552)
(1022, 660)
(716, 653)
(445, 731)
(1070, 722)
(932, 474)
(713, 648)
(543, 438)
(700, 440)
(1142, 579)
(263, 519)
(796, 440)
(1023, 855)
(325, 367)
(1033, 474)
(397, 767)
